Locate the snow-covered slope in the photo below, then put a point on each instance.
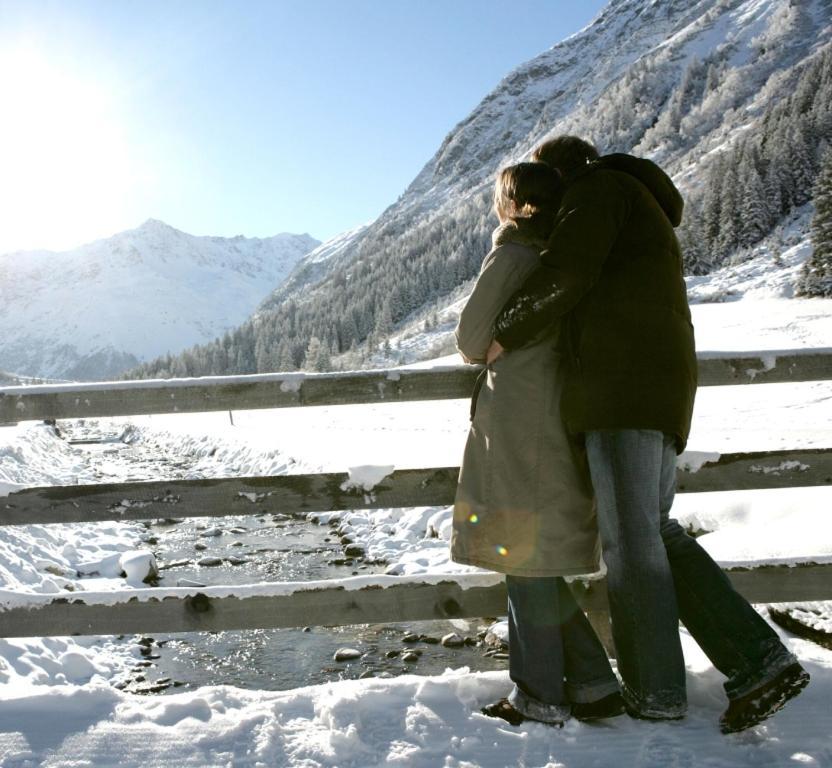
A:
(316, 265)
(97, 310)
(613, 81)
(680, 81)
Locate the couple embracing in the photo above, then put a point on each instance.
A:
(580, 312)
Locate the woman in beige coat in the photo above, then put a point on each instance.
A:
(524, 503)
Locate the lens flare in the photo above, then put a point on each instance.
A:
(501, 550)
(473, 518)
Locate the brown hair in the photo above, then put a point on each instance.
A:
(565, 153)
(525, 189)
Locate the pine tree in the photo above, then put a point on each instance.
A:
(754, 213)
(713, 77)
(313, 352)
(801, 165)
(729, 222)
(694, 251)
(774, 192)
(816, 277)
(285, 360)
(323, 361)
(262, 353)
(384, 320)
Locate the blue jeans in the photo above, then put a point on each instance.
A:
(555, 657)
(658, 574)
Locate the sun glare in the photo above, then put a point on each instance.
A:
(65, 168)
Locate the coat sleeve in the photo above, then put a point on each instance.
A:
(588, 224)
(503, 272)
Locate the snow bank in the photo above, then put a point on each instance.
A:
(409, 721)
(28, 664)
(41, 559)
(55, 560)
(32, 454)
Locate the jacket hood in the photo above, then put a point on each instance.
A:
(654, 178)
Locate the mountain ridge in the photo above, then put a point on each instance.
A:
(104, 307)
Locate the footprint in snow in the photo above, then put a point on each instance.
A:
(662, 750)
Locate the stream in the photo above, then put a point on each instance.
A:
(258, 548)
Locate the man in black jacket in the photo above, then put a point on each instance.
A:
(612, 274)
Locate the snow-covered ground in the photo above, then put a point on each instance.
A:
(409, 721)
(59, 707)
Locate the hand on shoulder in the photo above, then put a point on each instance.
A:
(494, 351)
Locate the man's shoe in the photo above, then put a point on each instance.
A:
(609, 706)
(762, 702)
(504, 710)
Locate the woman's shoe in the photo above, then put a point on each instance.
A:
(609, 706)
(505, 711)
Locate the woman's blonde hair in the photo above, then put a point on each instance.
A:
(525, 189)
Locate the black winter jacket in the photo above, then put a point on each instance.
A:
(613, 271)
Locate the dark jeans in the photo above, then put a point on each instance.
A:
(658, 574)
(555, 657)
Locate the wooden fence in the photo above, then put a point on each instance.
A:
(362, 599)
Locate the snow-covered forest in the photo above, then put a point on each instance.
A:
(766, 173)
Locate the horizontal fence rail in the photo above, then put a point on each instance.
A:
(287, 390)
(774, 367)
(449, 597)
(300, 494)
(200, 610)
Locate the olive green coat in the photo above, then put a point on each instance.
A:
(612, 273)
(524, 503)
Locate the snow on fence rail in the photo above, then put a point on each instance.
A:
(358, 600)
(288, 390)
(364, 599)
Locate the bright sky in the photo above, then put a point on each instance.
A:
(224, 117)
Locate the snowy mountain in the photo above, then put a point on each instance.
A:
(732, 97)
(95, 311)
(315, 266)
